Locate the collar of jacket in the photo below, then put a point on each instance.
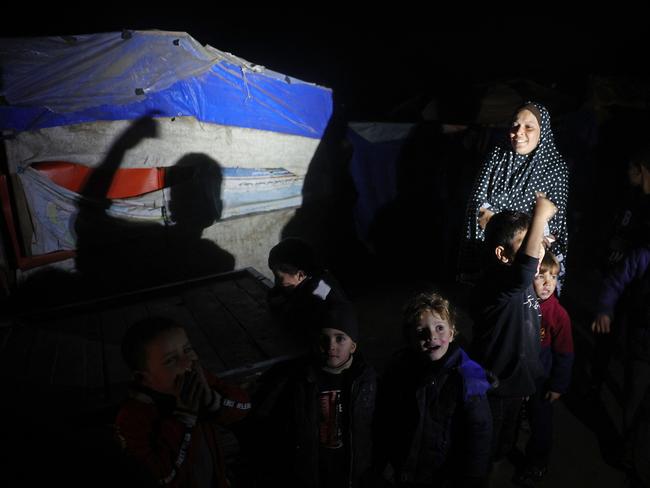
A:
(355, 370)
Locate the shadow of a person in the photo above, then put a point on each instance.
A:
(195, 204)
(117, 254)
(416, 234)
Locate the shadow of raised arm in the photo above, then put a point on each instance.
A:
(99, 181)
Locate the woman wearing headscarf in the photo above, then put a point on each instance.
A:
(511, 176)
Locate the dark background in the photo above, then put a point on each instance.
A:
(380, 58)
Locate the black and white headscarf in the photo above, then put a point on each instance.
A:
(508, 181)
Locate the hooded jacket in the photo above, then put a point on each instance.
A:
(433, 418)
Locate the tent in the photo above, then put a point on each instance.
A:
(68, 100)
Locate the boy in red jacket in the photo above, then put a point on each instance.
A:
(168, 425)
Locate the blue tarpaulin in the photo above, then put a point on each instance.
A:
(58, 81)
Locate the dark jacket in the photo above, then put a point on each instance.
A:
(506, 318)
(632, 272)
(286, 422)
(433, 419)
(296, 307)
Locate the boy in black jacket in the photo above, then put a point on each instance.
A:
(506, 314)
(301, 283)
(312, 416)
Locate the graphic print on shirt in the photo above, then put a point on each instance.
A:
(331, 412)
(532, 302)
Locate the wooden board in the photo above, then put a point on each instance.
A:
(78, 346)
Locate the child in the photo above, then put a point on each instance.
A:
(633, 273)
(632, 219)
(557, 359)
(300, 283)
(506, 315)
(313, 415)
(168, 424)
(433, 419)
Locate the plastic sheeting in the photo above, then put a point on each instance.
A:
(88, 144)
(69, 99)
(57, 81)
(54, 209)
(376, 149)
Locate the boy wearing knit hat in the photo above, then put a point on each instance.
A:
(301, 284)
(313, 416)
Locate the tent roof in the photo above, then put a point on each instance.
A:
(50, 81)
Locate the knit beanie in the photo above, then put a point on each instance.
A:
(339, 315)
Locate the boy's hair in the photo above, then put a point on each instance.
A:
(141, 334)
(428, 302)
(502, 228)
(549, 263)
(292, 255)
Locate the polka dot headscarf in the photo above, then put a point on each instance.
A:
(508, 181)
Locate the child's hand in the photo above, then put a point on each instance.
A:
(192, 392)
(602, 324)
(208, 393)
(544, 207)
(551, 396)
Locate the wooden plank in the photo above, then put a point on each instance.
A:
(94, 365)
(115, 369)
(226, 336)
(254, 288)
(208, 356)
(133, 313)
(70, 366)
(42, 360)
(15, 356)
(5, 332)
(112, 325)
(263, 280)
(94, 354)
(163, 302)
(257, 322)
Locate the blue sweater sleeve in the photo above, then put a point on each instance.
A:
(633, 266)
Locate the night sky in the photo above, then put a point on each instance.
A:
(378, 61)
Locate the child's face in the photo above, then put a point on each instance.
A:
(432, 336)
(169, 356)
(335, 347)
(288, 281)
(545, 283)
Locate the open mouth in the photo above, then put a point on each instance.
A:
(433, 348)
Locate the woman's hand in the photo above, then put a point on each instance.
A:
(484, 216)
(543, 206)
